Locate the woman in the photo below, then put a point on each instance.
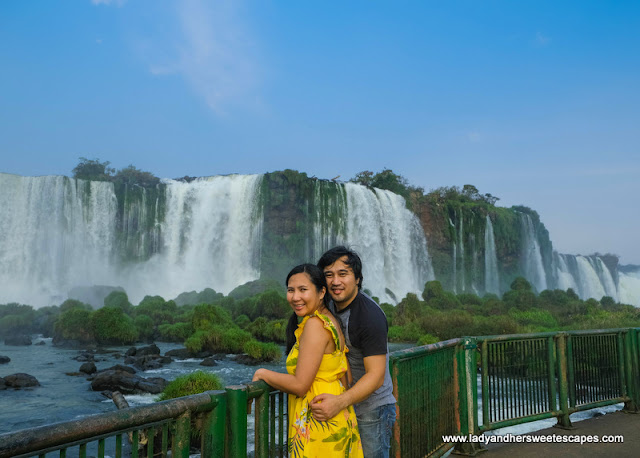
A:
(316, 364)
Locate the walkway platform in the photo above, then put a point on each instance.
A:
(613, 424)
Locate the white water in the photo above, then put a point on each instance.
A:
(390, 241)
(211, 238)
(326, 232)
(57, 233)
(460, 252)
(629, 286)
(491, 274)
(531, 260)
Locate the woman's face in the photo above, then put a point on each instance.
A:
(302, 294)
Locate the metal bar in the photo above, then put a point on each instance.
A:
(82, 452)
(272, 426)
(571, 372)
(151, 434)
(181, 442)
(517, 421)
(63, 453)
(119, 446)
(563, 420)
(593, 405)
(213, 428)
(484, 361)
(59, 434)
(621, 359)
(281, 426)
(134, 444)
(551, 373)
(165, 439)
(237, 420)
(262, 424)
(101, 448)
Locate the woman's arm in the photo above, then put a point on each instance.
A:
(313, 343)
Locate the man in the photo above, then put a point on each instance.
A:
(364, 325)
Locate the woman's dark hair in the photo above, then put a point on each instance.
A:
(317, 278)
(353, 261)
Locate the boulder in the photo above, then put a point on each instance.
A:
(4, 359)
(20, 380)
(208, 362)
(126, 383)
(3, 385)
(20, 340)
(120, 367)
(131, 351)
(41, 342)
(88, 368)
(148, 350)
(247, 360)
(180, 353)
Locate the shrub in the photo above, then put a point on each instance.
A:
(194, 383)
(111, 326)
(427, 339)
(177, 332)
(74, 324)
(262, 351)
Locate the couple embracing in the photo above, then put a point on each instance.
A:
(335, 408)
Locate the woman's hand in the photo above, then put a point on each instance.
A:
(258, 375)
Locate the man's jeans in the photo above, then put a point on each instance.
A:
(376, 428)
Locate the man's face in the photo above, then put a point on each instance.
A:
(342, 283)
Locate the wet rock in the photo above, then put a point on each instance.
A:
(127, 383)
(41, 342)
(246, 360)
(208, 362)
(20, 380)
(131, 351)
(4, 359)
(88, 368)
(3, 385)
(149, 350)
(179, 353)
(73, 374)
(21, 340)
(85, 356)
(120, 367)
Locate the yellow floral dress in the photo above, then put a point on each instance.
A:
(337, 436)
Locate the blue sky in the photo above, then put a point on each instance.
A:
(537, 103)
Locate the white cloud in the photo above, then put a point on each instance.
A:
(212, 52)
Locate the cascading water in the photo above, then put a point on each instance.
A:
(588, 276)
(460, 252)
(629, 285)
(531, 257)
(390, 241)
(491, 274)
(210, 237)
(55, 232)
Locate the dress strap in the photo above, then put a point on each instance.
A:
(329, 326)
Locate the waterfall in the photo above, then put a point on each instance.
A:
(565, 279)
(491, 275)
(390, 241)
(55, 232)
(329, 218)
(531, 260)
(629, 285)
(211, 238)
(461, 266)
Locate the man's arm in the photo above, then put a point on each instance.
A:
(326, 406)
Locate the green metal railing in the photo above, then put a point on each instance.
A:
(522, 378)
(218, 420)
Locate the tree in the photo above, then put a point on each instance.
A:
(93, 169)
(131, 175)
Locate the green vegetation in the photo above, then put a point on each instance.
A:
(193, 383)
(95, 170)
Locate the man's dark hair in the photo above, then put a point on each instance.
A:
(353, 261)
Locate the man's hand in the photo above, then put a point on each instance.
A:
(326, 406)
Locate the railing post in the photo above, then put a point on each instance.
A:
(237, 421)
(563, 389)
(262, 423)
(213, 428)
(182, 437)
(631, 369)
(467, 363)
